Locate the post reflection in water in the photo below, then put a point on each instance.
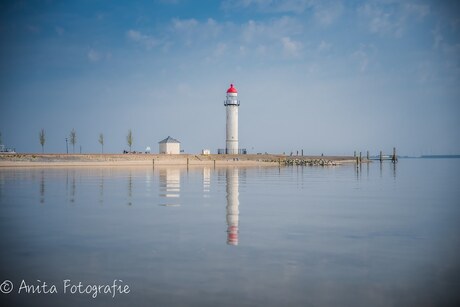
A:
(101, 189)
(170, 186)
(233, 203)
(73, 187)
(42, 186)
(206, 181)
(130, 188)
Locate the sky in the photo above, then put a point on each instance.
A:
(327, 77)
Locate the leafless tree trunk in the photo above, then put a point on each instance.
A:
(129, 139)
(41, 135)
(101, 141)
(73, 139)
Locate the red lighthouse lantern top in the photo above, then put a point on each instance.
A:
(232, 89)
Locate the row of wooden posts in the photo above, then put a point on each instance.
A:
(393, 157)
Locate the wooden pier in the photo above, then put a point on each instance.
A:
(385, 157)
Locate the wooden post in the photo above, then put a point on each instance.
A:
(394, 158)
(214, 163)
(354, 153)
(367, 156)
(153, 162)
(381, 157)
(360, 157)
(302, 152)
(357, 162)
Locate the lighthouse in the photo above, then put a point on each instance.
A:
(232, 103)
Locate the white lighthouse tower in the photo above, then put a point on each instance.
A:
(232, 103)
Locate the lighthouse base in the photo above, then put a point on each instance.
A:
(240, 151)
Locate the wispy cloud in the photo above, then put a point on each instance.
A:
(363, 56)
(184, 24)
(392, 18)
(59, 30)
(253, 31)
(325, 12)
(270, 6)
(328, 13)
(147, 41)
(291, 48)
(382, 21)
(93, 55)
(96, 56)
(192, 30)
(419, 10)
(324, 46)
(33, 28)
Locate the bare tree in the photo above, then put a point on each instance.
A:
(129, 139)
(73, 139)
(101, 141)
(41, 136)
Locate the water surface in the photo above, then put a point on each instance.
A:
(382, 235)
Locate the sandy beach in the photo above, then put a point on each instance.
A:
(56, 160)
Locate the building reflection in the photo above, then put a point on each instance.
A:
(232, 187)
(170, 186)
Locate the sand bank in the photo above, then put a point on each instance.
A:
(56, 160)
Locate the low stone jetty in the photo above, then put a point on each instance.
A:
(310, 162)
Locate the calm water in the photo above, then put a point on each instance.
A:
(291, 236)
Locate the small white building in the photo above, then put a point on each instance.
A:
(169, 146)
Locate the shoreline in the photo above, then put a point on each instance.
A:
(88, 160)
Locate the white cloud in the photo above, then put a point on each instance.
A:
(96, 56)
(59, 30)
(220, 49)
(253, 31)
(438, 38)
(213, 39)
(33, 29)
(270, 6)
(363, 55)
(261, 50)
(382, 21)
(192, 30)
(93, 55)
(326, 14)
(147, 41)
(419, 10)
(170, 1)
(324, 46)
(391, 18)
(290, 47)
(184, 24)
(264, 38)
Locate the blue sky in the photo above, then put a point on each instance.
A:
(324, 76)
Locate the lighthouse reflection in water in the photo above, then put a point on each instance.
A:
(233, 204)
(170, 186)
